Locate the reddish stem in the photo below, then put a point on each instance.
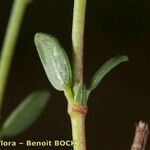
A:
(141, 135)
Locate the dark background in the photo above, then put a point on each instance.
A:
(123, 98)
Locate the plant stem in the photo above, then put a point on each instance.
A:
(10, 39)
(78, 38)
(78, 113)
(141, 135)
(77, 116)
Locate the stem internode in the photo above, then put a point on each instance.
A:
(78, 38)
(77, 116)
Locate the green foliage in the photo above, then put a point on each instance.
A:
(55, 61)
(25, 114)
(58, 69)
(104, 69)
(79, 91)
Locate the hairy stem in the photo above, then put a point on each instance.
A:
(77, 116)
(10, 41)
(78, 38)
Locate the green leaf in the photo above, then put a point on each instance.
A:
(104, 69)
(25, 114)
(79, 91)
(55, 60)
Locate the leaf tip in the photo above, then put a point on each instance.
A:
(123, 58)
(37, 36)
(126, 58)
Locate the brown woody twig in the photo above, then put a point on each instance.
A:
(141, 135)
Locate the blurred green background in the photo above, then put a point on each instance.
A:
(123, 98)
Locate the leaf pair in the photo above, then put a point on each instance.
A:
(58, 69)
(25, 114)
